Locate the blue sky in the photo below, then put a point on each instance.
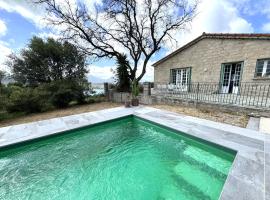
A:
(19, 21)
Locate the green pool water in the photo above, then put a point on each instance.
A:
(124, 159)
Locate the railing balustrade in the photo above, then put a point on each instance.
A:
(242, 94)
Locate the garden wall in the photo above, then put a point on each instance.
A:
(147, 99)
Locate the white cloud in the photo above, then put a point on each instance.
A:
(26, 9)
(149, 74)
(251, 7)
(266, 27)
(240, 25)
(45, 35)
(3, 28)
(5, 51)
(214, 16)
(105, 72)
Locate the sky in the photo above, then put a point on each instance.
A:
(20, 20)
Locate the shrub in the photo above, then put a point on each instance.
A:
(28, 100)
(65, 91)
(22, 100)
(122, 74)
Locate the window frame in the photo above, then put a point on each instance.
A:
(180, 68)
(263, 69)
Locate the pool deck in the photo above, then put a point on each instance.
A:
(249, 177)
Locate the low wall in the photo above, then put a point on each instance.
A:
(262, 112)
(148, 99)
(121, 97)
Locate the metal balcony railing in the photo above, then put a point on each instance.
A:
(241, 94)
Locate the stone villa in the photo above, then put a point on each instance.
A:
(226, 59)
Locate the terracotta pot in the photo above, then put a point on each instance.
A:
(135, 102)
(127, 104)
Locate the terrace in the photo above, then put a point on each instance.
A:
(248, 174)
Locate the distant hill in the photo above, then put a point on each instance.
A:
(7, 80)
(94, 79)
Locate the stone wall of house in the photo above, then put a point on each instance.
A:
(206, 57)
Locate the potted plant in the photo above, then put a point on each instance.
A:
(127, 102)
(135, 93)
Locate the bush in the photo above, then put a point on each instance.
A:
(58, 94)
(27, 100)
(3, 98)
(63, 92)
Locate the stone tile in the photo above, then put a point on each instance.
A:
(248, 171)
(265, 125)
(267, 179)
(267, 158)
(75, 121)
(51, 126)
(253, 123)
(236, 189)
(267, 195)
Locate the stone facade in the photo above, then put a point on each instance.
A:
(206, 56)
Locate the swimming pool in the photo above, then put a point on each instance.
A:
(128, 158)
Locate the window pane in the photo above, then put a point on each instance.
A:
(259, 68)
(173, 76)
(268, 68)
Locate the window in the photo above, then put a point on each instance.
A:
(180, 76)
(262, 68)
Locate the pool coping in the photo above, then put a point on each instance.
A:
(250, 169)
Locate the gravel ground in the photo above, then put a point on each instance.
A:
(59, 113)
(227, 118)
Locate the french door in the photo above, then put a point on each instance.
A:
(230, 77)
(180, 78)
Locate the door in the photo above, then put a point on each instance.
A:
(236, 78)
(230, 78)
(182, 79)
(226, 78)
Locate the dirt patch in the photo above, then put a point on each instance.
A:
(59, 113)
(228, 118)
(235, 119)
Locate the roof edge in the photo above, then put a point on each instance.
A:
(204, 35)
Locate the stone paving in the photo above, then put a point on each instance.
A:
(249, 177)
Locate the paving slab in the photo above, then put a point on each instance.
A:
(265, 125)
(254, 123)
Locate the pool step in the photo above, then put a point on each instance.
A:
(207, 160)
(199, 182)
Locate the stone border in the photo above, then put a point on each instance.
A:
(250, 173)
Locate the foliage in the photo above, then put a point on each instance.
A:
(47, 61)
(48, 74)
(57, 94)
(135, 89)
(65, 91)
(27, 100)
(122, 75)
(3, 98)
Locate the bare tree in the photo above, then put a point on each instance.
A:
(137, 28)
